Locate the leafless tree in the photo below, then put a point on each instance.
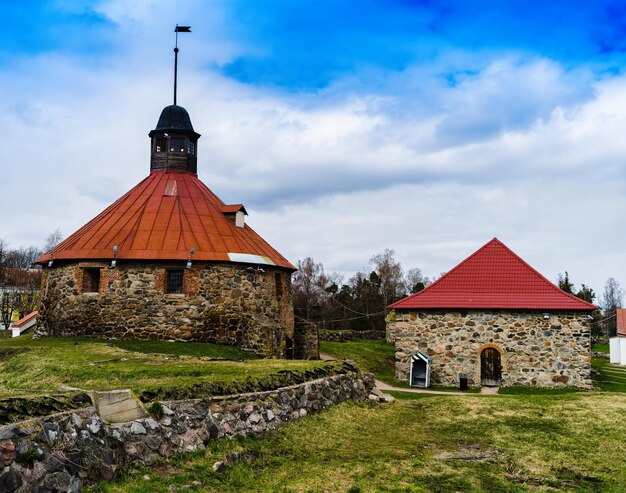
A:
(3, 249)
(309, 285)
(416, 280)
(611, 300)
(391, 276)
(53, 240)
(22, 258)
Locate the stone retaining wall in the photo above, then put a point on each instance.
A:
(547, 350)
(63, 452)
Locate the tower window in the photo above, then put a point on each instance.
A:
(161, 144)
(191, 147)
(177, 145)
(174, 281)
(91, 280)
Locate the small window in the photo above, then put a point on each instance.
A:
(191, 147)
(278, 278)
(91, 280)
(177, 145)
(174, 281)
(161, 145)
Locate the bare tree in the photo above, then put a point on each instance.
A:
(416, 280)
(309, 285)
(53, 240)
(3, 249)
(611, 300)
(23, 257)
(392, 285)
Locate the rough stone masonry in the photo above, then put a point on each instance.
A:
(547, 352)
(221, 303)
(64, 452)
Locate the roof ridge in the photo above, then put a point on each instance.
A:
(499, 278)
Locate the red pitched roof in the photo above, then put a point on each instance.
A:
(620, 313)
(493, 277)
(162, 218)
(232, 208)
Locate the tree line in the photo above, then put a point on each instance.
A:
(361, 302)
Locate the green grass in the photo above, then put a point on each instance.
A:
(571, 442)
(377, 357)
(532, 390)
(599, 347)
(198, 349)
(47, 364)
(610, 378)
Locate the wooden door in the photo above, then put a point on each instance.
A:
(490, 368)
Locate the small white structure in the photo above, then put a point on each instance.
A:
(24, 324)
(617, 345)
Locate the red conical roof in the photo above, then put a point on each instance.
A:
(494, 277)
(162, 218)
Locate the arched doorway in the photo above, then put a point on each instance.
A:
(490, 368)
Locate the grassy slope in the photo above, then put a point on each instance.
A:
(536, 443)
(377, 357)
(611, 378)
(47, 364)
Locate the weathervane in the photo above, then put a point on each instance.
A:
(179, 29)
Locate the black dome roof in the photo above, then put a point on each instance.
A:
(174, 119)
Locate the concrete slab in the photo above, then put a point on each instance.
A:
(118, 406)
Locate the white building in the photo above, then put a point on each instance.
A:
(617, 345)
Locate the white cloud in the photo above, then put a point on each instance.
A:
(522, 150)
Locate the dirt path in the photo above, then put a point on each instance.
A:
(384, 387)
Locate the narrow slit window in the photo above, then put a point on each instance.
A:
(174, 281)
(278, 278)
(91, 280)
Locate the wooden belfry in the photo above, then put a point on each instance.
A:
(174, 142)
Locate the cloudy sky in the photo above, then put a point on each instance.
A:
(344, 126)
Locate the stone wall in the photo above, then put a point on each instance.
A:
(306, 342)
(223, 303)
(534, 350)
(63, 452)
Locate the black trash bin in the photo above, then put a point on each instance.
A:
(462, 381)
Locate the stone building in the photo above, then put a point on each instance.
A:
(496, 320)
(170, 261)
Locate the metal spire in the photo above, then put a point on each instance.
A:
(179, 29)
